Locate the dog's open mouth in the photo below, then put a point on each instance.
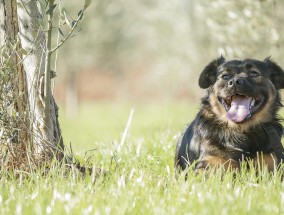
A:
(240, 107)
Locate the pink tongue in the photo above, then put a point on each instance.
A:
(239, 108)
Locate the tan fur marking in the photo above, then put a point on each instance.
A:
(268, 161)
(217, 162)
(218, 108)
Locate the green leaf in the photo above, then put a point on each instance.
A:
(65, 17)
(24, 52)
(73, 23)
(41, 5)
(62, 14)
(60, 31)
(87, 4)
(80, 14)
(51, 9)
(68, 21)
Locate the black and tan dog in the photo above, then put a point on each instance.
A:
(238, 119)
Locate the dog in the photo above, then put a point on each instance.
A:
(238, 120)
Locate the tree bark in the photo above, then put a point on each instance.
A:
(8, 35)
(17, 80)
(47, 139)
(20, 20)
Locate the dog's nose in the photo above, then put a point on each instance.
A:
(239, 81)
(231, 83)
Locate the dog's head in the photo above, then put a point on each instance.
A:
(243, 92)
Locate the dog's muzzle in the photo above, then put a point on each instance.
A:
(241, 107)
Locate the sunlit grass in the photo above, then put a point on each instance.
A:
(101, 124)
(140, 178)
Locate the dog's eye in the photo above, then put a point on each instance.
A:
(225, 77)
(253, 74)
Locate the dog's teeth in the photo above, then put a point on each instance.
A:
(252, 102)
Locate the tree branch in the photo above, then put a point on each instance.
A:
(47, 89)
(74, 25)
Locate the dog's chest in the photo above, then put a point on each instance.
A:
(238, 143)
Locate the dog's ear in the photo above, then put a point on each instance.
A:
(208, 75)
(277, 73)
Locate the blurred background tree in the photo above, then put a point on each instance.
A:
(149, 49)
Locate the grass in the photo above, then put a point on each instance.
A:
(140, 177)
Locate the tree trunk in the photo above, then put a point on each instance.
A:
(16, 131)
(46, 138)
(23, 18)
(8, 36)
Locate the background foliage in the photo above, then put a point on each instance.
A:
(164, 45)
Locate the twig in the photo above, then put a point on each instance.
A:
(69, 34)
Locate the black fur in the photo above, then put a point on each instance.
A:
(208, 135)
